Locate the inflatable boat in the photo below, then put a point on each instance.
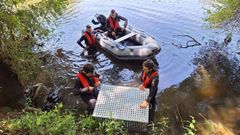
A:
(134, 45)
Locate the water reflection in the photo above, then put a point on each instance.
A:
(161, 19)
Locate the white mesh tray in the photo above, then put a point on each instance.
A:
(121, 103)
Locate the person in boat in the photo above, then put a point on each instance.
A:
(89, 39)
(114, 30)
(149, 79)
(86, 86)
(101, 19)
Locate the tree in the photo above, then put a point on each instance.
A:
(22, 23)
(226, 14)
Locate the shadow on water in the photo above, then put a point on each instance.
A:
(211, 92)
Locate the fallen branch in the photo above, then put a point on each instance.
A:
(32, 109)
(190, 43)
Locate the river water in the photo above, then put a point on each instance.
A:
(163, 19)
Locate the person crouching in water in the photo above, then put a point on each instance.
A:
(149, 79)
(101, 19)
(89, 39)
(86, 86)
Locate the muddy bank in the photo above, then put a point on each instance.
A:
(11, 91)
(54, 83)
(211, 92)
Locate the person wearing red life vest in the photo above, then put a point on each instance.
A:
(149, 79)
(86, 85)
(88, 38)
(114, 30)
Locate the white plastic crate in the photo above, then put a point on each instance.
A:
(121, 103)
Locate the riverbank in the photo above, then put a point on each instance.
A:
(11, 91)
(211, 94)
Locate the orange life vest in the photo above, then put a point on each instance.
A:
(90, 38)
(146, 80)
(84, 80)
(113, 23)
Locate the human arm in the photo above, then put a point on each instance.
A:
(80, 42)
(152, 93)
(78, 88)
(153, 89)
(95, 22)
(125, 21)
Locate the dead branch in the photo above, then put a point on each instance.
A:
(190, 43)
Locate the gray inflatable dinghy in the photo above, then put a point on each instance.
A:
(135, 45)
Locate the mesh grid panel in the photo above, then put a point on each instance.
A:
(121, 103)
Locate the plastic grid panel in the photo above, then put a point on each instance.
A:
(121, 103)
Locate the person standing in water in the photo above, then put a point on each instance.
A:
(149, 79)
(89, 39)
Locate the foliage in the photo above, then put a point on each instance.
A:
(160, 127)
(28, 102)
(226, 13)
(211, 128)
(22, 23)
(56, 122)
(52, 122)
(190, 128)
(89, 125)
(111, 126)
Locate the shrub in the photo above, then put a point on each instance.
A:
(190, 128)
(160, 127)
(53, 122)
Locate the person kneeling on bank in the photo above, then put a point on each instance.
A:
(86, 86)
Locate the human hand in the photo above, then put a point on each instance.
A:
(141, 87)
(90, 88)
(113, 34)
(144, 104)
(84, 89)
(97, 83)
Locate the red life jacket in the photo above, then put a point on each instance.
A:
(146, 80)
(84, 80)
(90, 38)
(113, 23)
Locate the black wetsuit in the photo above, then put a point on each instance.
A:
(101, 19)
(88, 47)
(153, 86)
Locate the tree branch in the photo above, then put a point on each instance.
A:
(190, 43)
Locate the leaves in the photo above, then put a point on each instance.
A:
(160, 127)
(22, 24)
(190, 128)
(225, 14)
(52, 122)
